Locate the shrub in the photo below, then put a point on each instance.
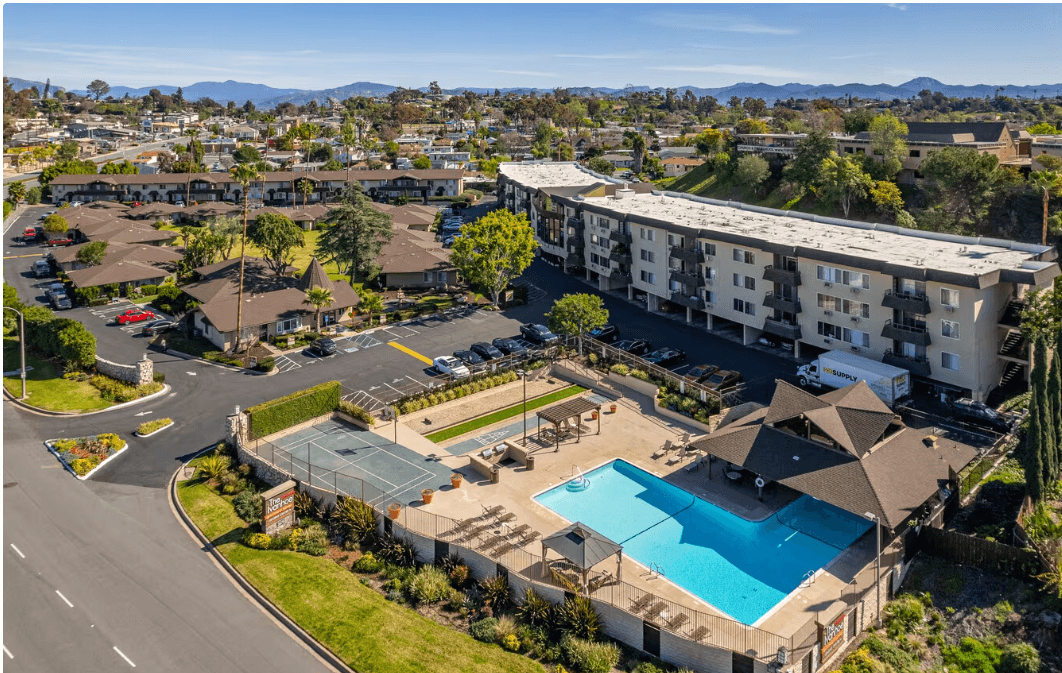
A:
(248, 505)
(257, 540)
(510, 641)
(151, 426)
(213, 466)
(354, 519)
(77, 347)
(620, 368)
(284, 412)
(353, 410)
(495, 591)
(83, 466)
(117, 391)
(973, 656)
(459, 576)
(398, 551)
(1019, 658)
(368, 564)
(536, 610)
(903, 615)
(641, 375)
(648, 667)
(314, 540)
(578, 617)
(158, 377)
(484, 629)
(455, 600)
(429, 585)
(111, 441)
(149, 289)
(590, 657)
(889, 653)
(305, 505)
(266, 364)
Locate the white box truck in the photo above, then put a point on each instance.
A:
(837, 369)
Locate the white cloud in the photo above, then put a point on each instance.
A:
(896, 5)
(746, 70)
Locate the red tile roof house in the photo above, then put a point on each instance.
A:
(273, 304)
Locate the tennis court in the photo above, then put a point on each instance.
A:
(336, 455)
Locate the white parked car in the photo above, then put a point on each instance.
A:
(448, 364)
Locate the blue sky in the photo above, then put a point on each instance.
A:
(502, 45)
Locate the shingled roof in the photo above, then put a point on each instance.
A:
(863, 469)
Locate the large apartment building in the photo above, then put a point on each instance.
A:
(275, 188)
(944, 307)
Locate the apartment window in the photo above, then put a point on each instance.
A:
(829, 331)
(857, 338)
(856, 308)
(441, 276)
(595, 239)
(709, 296)
(861, 150)
(744, 256)
(914, 154)
(949, 329)
(648, 256)
(427, 276)
(745, 307)
(647, 234)
(828, 303)
(853, 278)
(648, 277)
(848, 150)
(594, 258)
(949, 361)
(675, 286)
(949, 297)
(675, 241)
(289, 325)
(706, 248)
(747, 282)
(709, 273)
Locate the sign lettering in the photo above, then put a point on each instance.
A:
(278, 508)
(831, 636)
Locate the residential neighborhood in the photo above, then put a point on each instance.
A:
(513, 365)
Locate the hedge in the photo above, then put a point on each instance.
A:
(284, 412)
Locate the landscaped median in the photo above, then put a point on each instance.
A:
(84, 455)
(333, 605)
(149, 428)
(502, 414)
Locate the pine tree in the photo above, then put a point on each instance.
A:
(1033, 442)
(1054, 414)
(1044, 410)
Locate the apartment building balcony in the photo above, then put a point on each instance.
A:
(1011, 316)
(524, 204)
(776, 274)
(782, 303)
(767, 149)
(576, 222)
(575, 259)
(781, 328)
(618, 276)
(617, 236)
(1015, 348)
(909, 303)
(919, 366)
(690, 256)
(690, 280)
(683, 299)
(909, 333)
(618, 255)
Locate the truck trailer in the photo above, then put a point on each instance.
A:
(837, 369)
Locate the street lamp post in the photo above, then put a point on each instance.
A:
(877, 560)
(22, 349)
(523, 375)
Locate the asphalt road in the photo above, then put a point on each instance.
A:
(100, 576)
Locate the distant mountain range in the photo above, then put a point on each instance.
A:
(20, 84)
(268, 97)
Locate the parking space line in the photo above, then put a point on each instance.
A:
(410, 351)
(416, 381)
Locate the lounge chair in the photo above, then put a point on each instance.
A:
(461, 526)
(519, 530)
(508, 546)
(677, 621)
(530, 537)
(640, 604)
(693, 467)
(685, 439)
(654, 612)
(678, 457)
(507, 517)
(493, 541)
(662, 451)
(700, 633)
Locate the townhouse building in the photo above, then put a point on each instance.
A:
(275, 188)
(1040, 145)
(944, 307)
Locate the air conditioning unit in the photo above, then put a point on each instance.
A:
(855, 348)
(828, 340)
(949, 309)
(828, 312)
(709, 257)
(707, 305)
(708, 281)
(855, 318)
(828, 284)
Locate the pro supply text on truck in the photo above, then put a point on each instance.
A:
(837, 369)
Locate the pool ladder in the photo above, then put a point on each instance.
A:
(582, 478)
(809, 577)
(655, 569)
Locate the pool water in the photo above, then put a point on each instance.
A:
(742, 568)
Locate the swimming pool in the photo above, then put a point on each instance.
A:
(743, 568)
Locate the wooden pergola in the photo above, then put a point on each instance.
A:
(562, 415)
(584, 548)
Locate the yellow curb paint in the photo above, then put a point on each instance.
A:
(408, 351)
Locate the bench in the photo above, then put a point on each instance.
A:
(484, 460)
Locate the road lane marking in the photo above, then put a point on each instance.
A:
(17, 550)
(410, 351)
(64, 598)
(8, 653)
(122, 655)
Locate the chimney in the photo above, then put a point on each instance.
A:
(930, 441)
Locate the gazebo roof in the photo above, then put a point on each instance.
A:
(582, 545)
(570, 409)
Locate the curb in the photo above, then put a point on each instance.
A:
(240, 370)
(152, 434)
(83, 477)
(71, 414)
(326, 655)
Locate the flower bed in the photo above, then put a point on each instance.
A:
(84, 455)
(151, 427)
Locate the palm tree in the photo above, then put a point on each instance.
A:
(17, 192)
(1048, 182)
(348, 135)
(306, 187)
(244, 174)
(318, 297)
(370, 303)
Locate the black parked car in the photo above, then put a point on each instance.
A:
(323, 347)
(538, 334)
(978, 413)
(486, 351)
(666, 357)
(605, 334)
(158, 327)
(635, 346)
(470, 358)
(510, 347)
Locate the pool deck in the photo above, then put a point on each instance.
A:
(633, 436)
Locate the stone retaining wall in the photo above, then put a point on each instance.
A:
(137, 374)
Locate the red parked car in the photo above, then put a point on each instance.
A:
(134, 315)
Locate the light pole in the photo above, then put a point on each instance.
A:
(877, 560)
(22, 350)
(523, 376)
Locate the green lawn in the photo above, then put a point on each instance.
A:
(367, 631)
(703, 181)
(502, 414)
(45, 388)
